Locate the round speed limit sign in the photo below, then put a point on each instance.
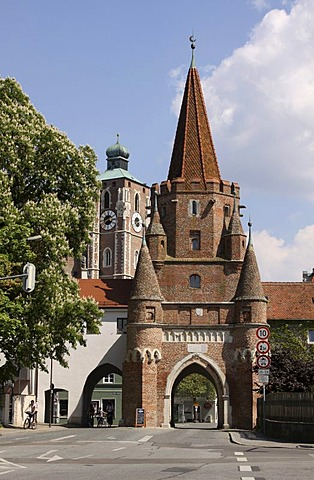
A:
(262, 333)
(262, 346)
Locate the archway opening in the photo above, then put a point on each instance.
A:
(204, 400)
(103, 386)
(195, 400)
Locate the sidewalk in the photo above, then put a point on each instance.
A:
(252, 438)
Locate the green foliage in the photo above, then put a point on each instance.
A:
(48, 186)
(292, 358)
(196, 385)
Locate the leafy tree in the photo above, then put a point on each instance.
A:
(48, 186)
(196, 385)
(292, 359)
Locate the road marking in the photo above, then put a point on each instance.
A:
(4, 462)
(54, 458)
(145, 439)
(245, 468)
(116, 449)
(7, 471)
(83, 456)
(44, 455)
(242, 459)
(238, 453)
(62, 438)
(248, 478)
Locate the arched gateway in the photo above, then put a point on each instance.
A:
(197, 297)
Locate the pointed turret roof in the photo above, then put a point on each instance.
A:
(235, 225)
(193, 155)
(250, 285)
(145, 285)
(155, 227)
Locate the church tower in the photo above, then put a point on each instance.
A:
(208, 296)
(121, 212)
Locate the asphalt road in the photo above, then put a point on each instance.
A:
(194, 452)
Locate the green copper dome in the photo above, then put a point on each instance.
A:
(117, 150)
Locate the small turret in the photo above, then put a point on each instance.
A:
(250, 301)
(146, 298)
(156, 238)
(235, 237)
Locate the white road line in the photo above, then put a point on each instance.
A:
(44, 455)
(247, 478)
(7, 463)
(116, 449)
(54, 458)
(62, 438)
(245, 468)
(145, 439)
(83, 456)
(239, 453)
(7, 471)
(242, 459)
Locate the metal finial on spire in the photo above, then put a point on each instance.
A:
(250, 231)
(118, 137)
(156, 202)
(192, 40)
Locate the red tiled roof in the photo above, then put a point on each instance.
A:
(290, 301)
(107, 293)
(287, 301)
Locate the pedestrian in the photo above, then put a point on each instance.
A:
(110, 412)
(91, 415)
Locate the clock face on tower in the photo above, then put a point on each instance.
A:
(108, 219)
(137, 222)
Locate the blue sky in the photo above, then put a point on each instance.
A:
(102, 67)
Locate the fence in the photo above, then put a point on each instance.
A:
(287, 416)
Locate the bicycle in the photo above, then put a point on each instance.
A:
(30, 421)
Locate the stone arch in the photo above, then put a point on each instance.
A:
(198, 363)
(91, 381)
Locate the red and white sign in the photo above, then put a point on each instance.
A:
(263, 361)
(263, 346)
(262, 333)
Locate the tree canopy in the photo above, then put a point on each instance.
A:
(196, 385)
(48, 187)
(292, 359)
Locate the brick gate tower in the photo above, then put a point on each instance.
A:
(197, 297)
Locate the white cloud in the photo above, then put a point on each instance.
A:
(261, 99)
(279, 261)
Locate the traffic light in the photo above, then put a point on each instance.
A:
(29, 271)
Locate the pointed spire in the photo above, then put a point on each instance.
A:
(192, 40)
(250, 285)
(235, 225)
(155, 227)
(145, 285)
(193, 155)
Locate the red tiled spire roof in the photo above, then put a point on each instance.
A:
(193, 155)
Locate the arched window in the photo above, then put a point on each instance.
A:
(106, 199)
(135, 258)
(195, 239)
(136, 202)
(194, 207)
(107, 257)
(195, 281)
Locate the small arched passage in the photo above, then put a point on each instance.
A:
(198, 363)
(93, 378)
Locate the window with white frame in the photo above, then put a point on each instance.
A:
(121, 325)
(311, 336)
(136, 202)
(108, 378)
(107, 258)
(194, 207)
